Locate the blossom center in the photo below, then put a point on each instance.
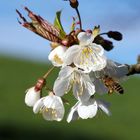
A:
(50, 111)
(87, 51)
(57, 59)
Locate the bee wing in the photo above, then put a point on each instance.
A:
(40, 26)
(116, 70)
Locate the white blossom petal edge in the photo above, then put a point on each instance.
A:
(32, 97)
(51, 107)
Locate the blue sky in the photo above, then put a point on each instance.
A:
(121, 15)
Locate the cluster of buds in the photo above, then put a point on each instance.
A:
(84, 68)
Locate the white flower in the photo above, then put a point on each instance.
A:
(113, 70)
(80, 83)
(51, 108)
(32, 96)
(87, 109)
(87, 55)
(56, 56)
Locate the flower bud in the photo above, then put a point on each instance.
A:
(106, 44)
(74, 3)
(115, 35)
(31, 97)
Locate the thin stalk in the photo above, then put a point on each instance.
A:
(48, 72)
(103, 34)
(80, 21)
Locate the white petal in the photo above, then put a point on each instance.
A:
(89, 88)
(65, 72)
(85, 38)
(98, 49)
(73, 114)
(38, 105)
(100, 87)
(83, 112)
(56, 56)
(61, 86)
(100, 63)
(104, 107)
(82, 62)
(93, 110)
(88, 109)
(82, 93)
(88, 84)
(32, 97)
(83, 89)
(70, 54)
(49, 101)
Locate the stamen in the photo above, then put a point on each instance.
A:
(57, 59)
(87, 51)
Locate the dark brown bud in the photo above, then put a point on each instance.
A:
(74, 3)
(39, 85)
(106, 44)
(115, 35)
(69, 41)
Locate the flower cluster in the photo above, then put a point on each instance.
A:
(84, 69)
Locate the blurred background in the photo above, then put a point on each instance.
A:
(23, 59)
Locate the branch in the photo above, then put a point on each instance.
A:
(134, 69)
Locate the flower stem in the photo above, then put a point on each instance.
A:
(102, 34)
(134, 69)
(80, 21)
(48, 72)
(49, 89)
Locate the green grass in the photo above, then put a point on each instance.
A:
(17, 121)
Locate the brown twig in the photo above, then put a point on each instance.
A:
(134, 69)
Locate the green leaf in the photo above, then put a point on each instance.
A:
(96, 31)
(57, 24)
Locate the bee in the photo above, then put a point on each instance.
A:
(112, 85)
